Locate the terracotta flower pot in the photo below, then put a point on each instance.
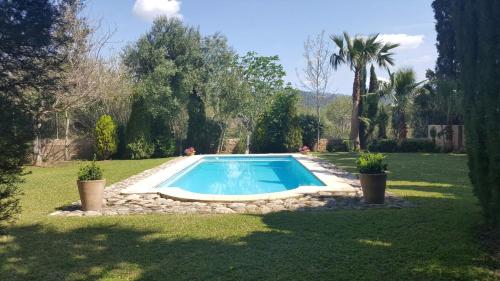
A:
(373, 186)
(91, 194)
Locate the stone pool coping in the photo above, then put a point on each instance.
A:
(333, 183)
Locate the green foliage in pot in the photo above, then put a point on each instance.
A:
(90, 172)
(371, 163)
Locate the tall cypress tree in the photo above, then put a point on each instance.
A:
(446, 64)
(368, 107)
(478, 44)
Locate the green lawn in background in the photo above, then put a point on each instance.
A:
(436, 240)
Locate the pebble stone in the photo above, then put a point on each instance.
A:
(116, 203)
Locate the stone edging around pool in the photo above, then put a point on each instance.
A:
(147, 185)
(118, 203)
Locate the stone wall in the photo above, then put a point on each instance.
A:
(229, 146)
(53, 149)
(458, 138)
(322, 145)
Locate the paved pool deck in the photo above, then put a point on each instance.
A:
(333, 182)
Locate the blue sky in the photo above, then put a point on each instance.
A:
(280, 27)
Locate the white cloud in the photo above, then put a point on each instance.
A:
(150, 9)
(404, 40)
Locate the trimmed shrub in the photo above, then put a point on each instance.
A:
(278, 130)
(106, 137)
(383, 145)
(140, 149)
(163, 146)
(417, 145)
(408, 145)
(309, 126)
(337, 145)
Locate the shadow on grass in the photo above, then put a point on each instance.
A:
(346, 245)
(433, 241)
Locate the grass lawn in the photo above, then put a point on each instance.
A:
(437, 240)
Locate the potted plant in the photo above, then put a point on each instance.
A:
(190, 151)
(91, 186)
(304, 150)
(373, 177)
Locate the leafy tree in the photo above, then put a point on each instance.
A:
(338, 113)
(202, 134)
(138, 129)
(167, 62)
(106, 137)
(27, 49)
(357, 52)
(477, 43)
(309, 126)
(278, 129)
(223, 81)
(427, 110)
(263, 77)
(405, 88)
(32, 58)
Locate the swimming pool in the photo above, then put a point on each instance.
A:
(242, 175)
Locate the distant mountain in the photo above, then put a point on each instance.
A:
(308, 99)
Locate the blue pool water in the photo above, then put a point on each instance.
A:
(243, 175)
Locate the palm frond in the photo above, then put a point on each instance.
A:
(336, 60)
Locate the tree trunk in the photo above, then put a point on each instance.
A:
(403, 130)
(221, 139)
(448, 132)
(221, 142)
(354, 135)
(319, 119)
(66, 136)
(247, 149)
(57, 126)
(37, 147)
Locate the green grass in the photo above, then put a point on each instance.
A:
(434, 241)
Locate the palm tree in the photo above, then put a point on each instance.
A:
(357, 52)
(403, 88)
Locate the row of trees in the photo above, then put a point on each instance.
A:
(379, 109)
(189, 88)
